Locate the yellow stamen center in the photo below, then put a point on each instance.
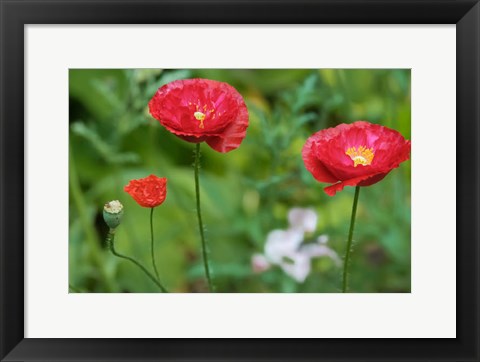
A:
(200, 117)
(361, 156)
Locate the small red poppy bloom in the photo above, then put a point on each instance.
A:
(149, 191)
(357, 154)
(198, 110)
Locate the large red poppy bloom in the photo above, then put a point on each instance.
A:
(150, 191)
(198, 110)
(357, 154)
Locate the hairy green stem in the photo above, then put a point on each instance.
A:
(349, 242)
(152, 248)
(111, 245)
(199, 215)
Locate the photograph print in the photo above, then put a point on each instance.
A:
(239, 181)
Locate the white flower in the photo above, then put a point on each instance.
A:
(322, 239)
(284, 247)
(297, 266)
(281, 243)
(259, 263)
(318, 250)
(303, 219)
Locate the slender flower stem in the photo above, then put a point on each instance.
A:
(152, 249)
(200, 223)
(349, 242)
(111, 245)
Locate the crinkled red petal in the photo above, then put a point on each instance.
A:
(232, 136)
(314, 165)
(324, 154)
(150, 191)
(226, 115)
(365, 180)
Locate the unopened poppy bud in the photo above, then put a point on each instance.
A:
(112, 213)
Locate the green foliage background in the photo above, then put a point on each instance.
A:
(246, 193)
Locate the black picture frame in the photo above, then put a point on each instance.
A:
(15, 14)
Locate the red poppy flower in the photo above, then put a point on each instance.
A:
(357, 154)
(149, 191)
(198, 110)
